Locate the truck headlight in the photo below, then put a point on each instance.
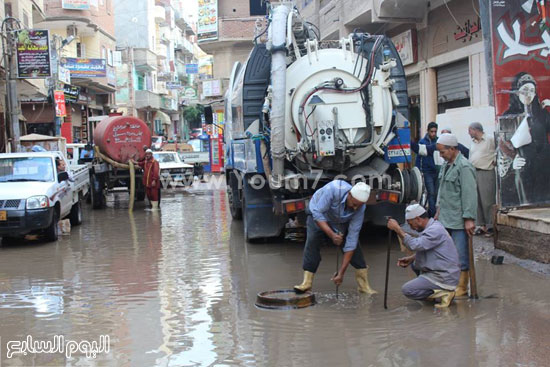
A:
(38, 202)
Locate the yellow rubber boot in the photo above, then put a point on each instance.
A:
(445, 296)
(462, 288)
(363, 286)
(306, 284)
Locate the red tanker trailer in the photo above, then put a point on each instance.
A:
(122, 138)
(119, 139)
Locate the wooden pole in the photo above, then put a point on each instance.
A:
(472, 272)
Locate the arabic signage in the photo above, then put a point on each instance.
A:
(521, 63)
(191, 68)
(405, 43)
(173, 85)
(467, 32)
(75, 4)
(33, 54)
(85, 68)
(190, 93)
(207, 23)
(211, 88)
(71, 93)
(60, 108)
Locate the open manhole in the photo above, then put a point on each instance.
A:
(284, 299)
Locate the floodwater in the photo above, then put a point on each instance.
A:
(177, 288)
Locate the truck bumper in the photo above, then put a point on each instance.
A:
(22, 222)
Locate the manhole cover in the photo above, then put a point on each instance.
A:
(284, 299)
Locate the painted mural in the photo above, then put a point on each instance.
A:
(521, 62)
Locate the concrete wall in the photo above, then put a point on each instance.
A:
(102, 14)
(135, 24)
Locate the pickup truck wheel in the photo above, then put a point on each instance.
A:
(52, 232)
(76, 214)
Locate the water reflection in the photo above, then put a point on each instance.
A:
(177, 288)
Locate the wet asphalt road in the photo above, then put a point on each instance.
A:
(177, 288)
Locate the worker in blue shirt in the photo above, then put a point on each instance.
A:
(336, 213)
(426, 165)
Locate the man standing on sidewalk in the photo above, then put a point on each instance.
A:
(482, 157)
(457, 202)
(424, 150)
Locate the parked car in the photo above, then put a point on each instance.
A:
(34, 196)
(195, 133)
(173, 171)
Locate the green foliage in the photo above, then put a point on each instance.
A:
(192, 114)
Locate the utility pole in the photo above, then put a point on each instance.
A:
(10, 26)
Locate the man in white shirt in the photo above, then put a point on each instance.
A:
(483, 157)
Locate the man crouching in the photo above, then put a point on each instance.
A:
(435, 260)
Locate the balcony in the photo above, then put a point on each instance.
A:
(162, 51)
(160, 14)
(231, 32)
(184, 24)
(185, 47)
(147, 100)
(169, 104)
(400, 11)
(145, 60)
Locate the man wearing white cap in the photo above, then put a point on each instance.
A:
(457, 202)
(435, 260)
(335, 209)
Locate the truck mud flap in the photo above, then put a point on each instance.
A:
(376, 214)
(259, 220)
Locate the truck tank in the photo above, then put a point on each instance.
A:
(122, 138)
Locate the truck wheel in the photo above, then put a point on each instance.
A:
(233, 198)
(52, 232)
(75, 215)
(97, 192)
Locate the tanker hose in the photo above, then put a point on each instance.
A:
(132, 186)
(129, 166)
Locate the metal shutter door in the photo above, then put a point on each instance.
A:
(453, 81)
(413, 85)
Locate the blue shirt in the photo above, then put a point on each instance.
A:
(425, 163)
(328, 204)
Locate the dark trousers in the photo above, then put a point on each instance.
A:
(312, 250)
(430, 180)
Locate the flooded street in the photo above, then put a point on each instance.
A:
(177, 288)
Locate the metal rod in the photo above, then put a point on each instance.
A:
(472, 272)
(337, 263)
(387, 271)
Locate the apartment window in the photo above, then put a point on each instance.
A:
(110, 58)
(26, 19)
(103, 53)
(258, 7)
(140, 82)
(7, 10)
(80, 50)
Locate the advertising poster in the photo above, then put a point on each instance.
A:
(521, 62)
(33, 54)
(85, 68)
(191, 68)
(71, 93)
(207, 23)
(60, 108)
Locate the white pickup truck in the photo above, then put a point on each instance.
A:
(34, 196)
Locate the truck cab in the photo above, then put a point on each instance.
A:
(35, 195)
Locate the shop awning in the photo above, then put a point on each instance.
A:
(163, 117)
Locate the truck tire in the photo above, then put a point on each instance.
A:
(233, 197)
(75, 216)
(52, 232)
(98, 199)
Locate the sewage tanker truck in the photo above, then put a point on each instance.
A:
(117, 139)
(301, 112)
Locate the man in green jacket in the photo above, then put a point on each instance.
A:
(457, 202)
